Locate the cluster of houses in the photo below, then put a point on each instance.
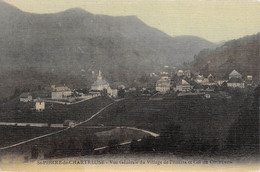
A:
(185, 81)
(60, 93)
(165, 83)
(64, 93)
(39, 103)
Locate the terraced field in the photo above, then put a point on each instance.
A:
(55, 113)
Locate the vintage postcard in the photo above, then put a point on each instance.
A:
(129, 85)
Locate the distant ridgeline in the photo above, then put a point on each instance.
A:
(241, 54)
(73, 43)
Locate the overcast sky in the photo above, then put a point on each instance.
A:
(212, 20)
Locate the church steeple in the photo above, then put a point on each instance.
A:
(99, 75)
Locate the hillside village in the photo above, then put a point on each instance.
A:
(172, 82)
(72, 90)
(67, 96)
(184, 82)
(60, 107)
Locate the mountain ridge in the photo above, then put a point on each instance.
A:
(124, 47)
(241, 54)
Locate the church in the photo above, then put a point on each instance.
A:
(100, 84)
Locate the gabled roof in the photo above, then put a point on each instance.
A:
(62, 88)
(183, 82)
(25, 95)
(210, 76)
(39, 100)
(234, 72)
(200, 77)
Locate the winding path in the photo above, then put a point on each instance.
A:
(80, 123)
(56, 132)
(145, 131)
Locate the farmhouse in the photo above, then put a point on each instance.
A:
(236, 82)
(209, 81)
(183, 86)
(59, 93)
(180, 73)
(200, 79)
(25, 97)
(163, 84)
(185, 73)
(112, 92)
(39, 105)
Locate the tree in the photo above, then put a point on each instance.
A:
(244, 133)
(171, 137)
(224, 86)
(71, 147)
(134, 145)
(113, 144)
(121, 93)
(34, 153)
(87, 147)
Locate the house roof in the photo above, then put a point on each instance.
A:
(163, 83)
(200, 77)
(25, 95)
(210, 76)
(39, 100)
(62, 88)
(234, 72)
(183, 82)
(235, 80)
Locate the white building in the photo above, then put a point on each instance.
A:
(59, 93)
(185, 73)
(200, 79)
(112, 92)
(39, 105)
(163, 84)
(236, 83)
(249, 77)
(180, 73)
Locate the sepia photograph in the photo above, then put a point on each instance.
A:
(129, 85)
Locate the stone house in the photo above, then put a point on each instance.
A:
(39, 105)
(163, 84)
(236, 82)
(183, 86)
(25, 97)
